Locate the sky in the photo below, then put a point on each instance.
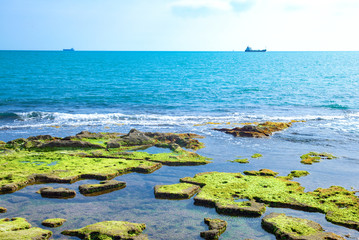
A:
(180, 25)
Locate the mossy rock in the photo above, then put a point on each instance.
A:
(313, 157)
(13, 224)
(88, 189)
(286, 227)
(257, 155)
(262, 172)
(53, 222)
(50, 192)
(297, 174)
(84, 156)
(216, 228)
(109, 230)
(176, 191)
(235, 194)
(27, 234)
(3, 210)
(240, 160)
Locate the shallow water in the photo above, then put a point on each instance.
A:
(64, 93)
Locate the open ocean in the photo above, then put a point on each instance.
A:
(63, 93)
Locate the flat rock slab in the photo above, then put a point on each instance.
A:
(216, 228)
(101, 187)
(245, 208)
(3, 210)
(176, 191)
(261, 172)
(53, 222)
(110, 230)
(291, 228)
(50, 192)
(19, 228)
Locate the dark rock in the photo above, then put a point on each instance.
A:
(113, 144)
(286, 227)
(216, 228)
(69, 144)
(41, 137)
(102, 186)
(3, 210)
(135, 137)
(257, 131)
(50, 192)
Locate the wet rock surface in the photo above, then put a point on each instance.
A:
(101, 187)
(287, 227)
(110, 230)
(50, 192)
(216, 228)
(3, 210)
(53, 222)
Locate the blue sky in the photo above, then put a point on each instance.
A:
(199, 25)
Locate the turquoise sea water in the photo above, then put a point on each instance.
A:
(63, 93)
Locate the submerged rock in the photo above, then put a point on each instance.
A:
(260, 130)
(50, 192)
(110, 230)
(101, 187)
(216, 228)
(53, 222)
(286, 227)
(176, 191)
(3, 210)
(19, 228)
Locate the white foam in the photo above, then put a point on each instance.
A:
(49, 119)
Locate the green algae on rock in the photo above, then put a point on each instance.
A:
(313, 157)
(3, 210)
(19, 228)
(43, 159)
(297, 174)
(176, 191)
(260, 130)
(109, 230)
(287, 227)
(88, 189)
(240, 160)
(261, 172)
(216, 228)
(236, 194)
(53, 222)
(257, 155)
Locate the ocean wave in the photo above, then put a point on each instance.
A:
(53, 119)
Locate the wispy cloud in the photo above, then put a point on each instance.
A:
(198, 8)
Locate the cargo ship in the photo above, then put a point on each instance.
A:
(68, 49)
(249, 49)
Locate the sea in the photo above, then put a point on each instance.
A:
(63, 93)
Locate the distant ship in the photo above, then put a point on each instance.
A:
(249, 49)
(68, 50)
